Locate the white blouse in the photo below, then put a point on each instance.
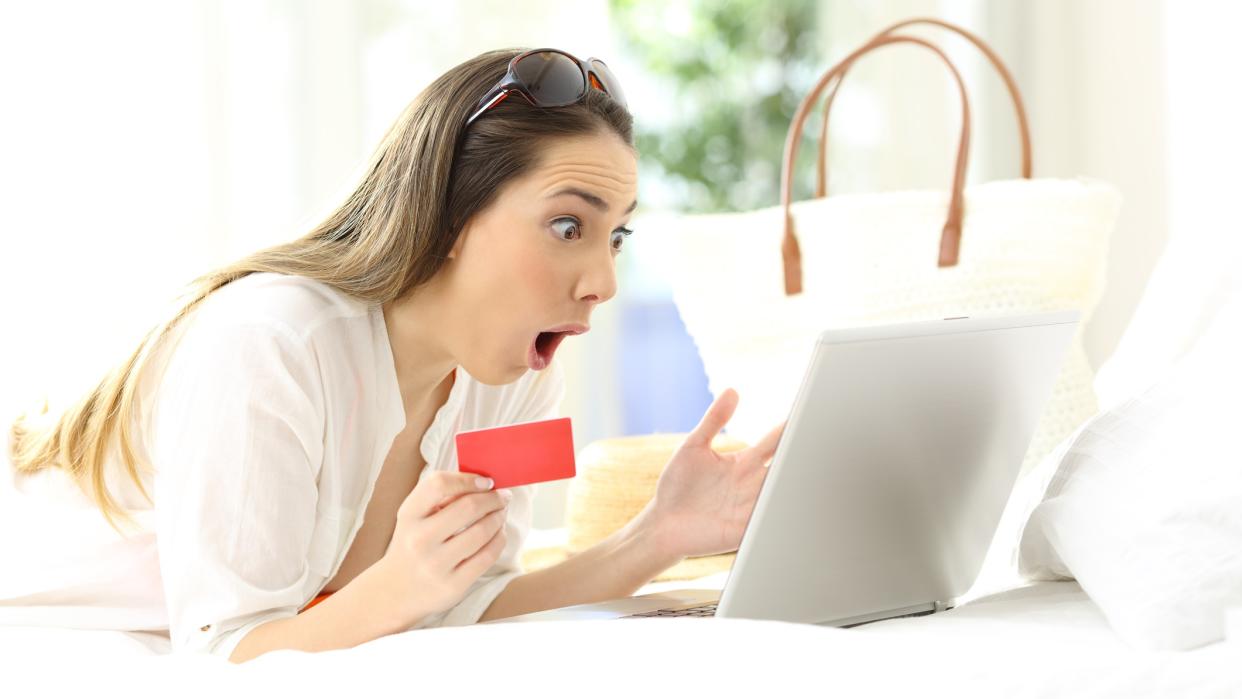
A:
(267, 432)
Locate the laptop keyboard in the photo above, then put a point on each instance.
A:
(701, 610)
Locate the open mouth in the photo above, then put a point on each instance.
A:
(543, 348)
(539, 356)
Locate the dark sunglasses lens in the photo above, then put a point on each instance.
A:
(553, 79)
(611, 85)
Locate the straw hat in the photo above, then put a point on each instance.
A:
(616, 478)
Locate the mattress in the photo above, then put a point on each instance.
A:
(1043, 640)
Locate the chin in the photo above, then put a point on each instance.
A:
(502, 378)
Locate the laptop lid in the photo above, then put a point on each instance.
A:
(902, 447)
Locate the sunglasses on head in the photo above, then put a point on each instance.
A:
(550, 78)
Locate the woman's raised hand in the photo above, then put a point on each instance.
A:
(704, 499)
(450, 530)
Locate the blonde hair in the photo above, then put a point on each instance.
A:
(392, 234)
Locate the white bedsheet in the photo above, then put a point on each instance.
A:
(1046, 640)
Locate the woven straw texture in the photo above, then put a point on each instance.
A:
(616, 479)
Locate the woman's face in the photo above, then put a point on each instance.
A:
(542, 255)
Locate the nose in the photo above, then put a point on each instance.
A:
(598, 282)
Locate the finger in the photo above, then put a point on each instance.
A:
(714, 419)
(437, 489)
(766, 447)
(476, 565)
(472, 538)
(445, 503)
(507, 494)
(465, 511)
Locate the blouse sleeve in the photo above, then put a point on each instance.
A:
(236, 439)
(541, 401)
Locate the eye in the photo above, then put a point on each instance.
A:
(567, 224)
(625, 233)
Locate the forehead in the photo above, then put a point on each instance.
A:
(600, 163)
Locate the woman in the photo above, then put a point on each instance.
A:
(284, 443)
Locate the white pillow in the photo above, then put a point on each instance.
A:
(1193, 279)
(1145, 508)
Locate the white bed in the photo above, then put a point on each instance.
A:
(1043, 640)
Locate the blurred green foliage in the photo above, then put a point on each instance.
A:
(736, 70)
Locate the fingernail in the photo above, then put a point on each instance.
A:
(483, 483)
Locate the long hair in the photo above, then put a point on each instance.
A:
(393, 233)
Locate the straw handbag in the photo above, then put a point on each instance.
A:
(755, 289)
(616, 478)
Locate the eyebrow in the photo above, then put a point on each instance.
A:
(591, 199)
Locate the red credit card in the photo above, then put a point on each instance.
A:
(528, 452)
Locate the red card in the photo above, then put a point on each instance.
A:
(528, 452)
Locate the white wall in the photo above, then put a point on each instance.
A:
(1201, 266)
(1099, 107)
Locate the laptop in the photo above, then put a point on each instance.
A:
(899, 455)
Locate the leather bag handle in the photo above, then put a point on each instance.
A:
(1024, 131)
(951, 234)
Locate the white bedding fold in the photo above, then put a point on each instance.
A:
(1047, 640)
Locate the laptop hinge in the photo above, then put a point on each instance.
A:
(914, 610)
